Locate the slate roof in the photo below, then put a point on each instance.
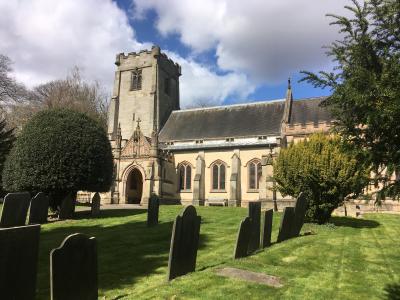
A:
(243, 120)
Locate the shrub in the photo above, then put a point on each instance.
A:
(59, 151)
(322, 168)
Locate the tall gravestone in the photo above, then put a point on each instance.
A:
(15, 209)
(152, 210)
(287, 221)
(184, 243)
(73, 269)
(299, 214)
(255, 216)
(19, 247)
(267, 228)
(67, 207)
(39, 209)
(95, 205)
(243, 239)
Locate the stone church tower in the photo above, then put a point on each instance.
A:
(146, 91)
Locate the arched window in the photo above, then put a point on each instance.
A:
(255, 172)
(136, 80)
(185, 177)
(218, 176)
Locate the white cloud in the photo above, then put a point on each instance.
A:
(268, 40)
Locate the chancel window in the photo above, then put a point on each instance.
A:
(218, 176)
(136, 80)
(255, 172)
(185, 177)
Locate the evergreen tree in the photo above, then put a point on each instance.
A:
(365, 85)
(6, 140)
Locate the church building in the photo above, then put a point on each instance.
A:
(204, 156)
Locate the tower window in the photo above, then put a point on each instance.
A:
(167, 84)
(136, 80)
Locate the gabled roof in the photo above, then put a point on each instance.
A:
(242, 120)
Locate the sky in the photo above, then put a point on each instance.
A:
(231, 51)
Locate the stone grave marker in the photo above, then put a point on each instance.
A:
(152, 210)
(299, 214)
(67, 207)
(184, 243)
(255, 216)
(19, 248)
(39, 209)
(73, 269)
(243, 239)
(95, 205)
(285, 229)
(15, 209)
(267, 228)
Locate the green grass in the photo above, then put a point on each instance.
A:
(352, 259)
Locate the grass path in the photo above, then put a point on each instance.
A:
(348, 259)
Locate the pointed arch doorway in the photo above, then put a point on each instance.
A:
(134, 187)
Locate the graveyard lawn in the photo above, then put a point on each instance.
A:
(347, 259)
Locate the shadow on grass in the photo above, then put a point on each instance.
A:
(392, 291)
(109, 213)
(354, 223)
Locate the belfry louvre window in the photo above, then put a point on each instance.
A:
(136, 80)
(218, 176)
(185, 177)
(255, 172)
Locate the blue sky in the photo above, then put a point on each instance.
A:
(230, 51)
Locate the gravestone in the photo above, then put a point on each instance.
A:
(15, 209)
(67, 207)
(287, 221)
(152, 210)
(299, 214)
(95, 205)
(255, 216)
(39, 209)
(19, 247)
(73, 269)
(184, 243)
(267, 228)
(243, 239)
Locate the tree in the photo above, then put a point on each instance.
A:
(323, 169)
(10, 89)
(6, 140)
(365, 85)
(60, 151)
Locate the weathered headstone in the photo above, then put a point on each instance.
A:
(184, 243)
(152, 210)
(39, 209)
(255, 216)
(15, 209)
(95, 205)
(267, 228)
(67, 207)
(73, 269)
(19, 247)
(299, 214)
(243, 239)
(287, 221)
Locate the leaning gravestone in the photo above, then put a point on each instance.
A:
(95, 205)
(152, 210)
(15, 209)
(73, 269)
(299, 214)
(243, 239)
(39, 209)
(255, 216)
(287, 221)
(267, 228)
(67, 207)
(184, 243)
(19, 247)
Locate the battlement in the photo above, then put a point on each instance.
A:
(122, 58)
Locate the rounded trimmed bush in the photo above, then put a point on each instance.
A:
(58, 152)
